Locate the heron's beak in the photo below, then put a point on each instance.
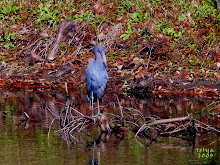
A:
(104, 59)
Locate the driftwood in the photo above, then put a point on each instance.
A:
(162, 121)
(66, 29)
(72, 122)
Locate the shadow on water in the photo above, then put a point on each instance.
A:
(30, 142)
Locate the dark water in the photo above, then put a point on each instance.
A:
(29, 143)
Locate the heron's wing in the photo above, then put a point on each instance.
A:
(89, 75)
(101, 80)
(96, 79)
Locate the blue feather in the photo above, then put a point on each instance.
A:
(96, 75)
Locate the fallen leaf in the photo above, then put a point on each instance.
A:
(44, 34)
(98, 9)
(159, 88)
(36, 57)
(122, 102)
(71, 79)
(151, 28)
(13, 28)
(136, 60)
(171, 81)
(167, 92)
(75, 84)
(122, 73)
(217, 75)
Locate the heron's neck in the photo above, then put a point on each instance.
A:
(98, 57)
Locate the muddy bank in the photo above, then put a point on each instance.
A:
(72, 76)
(176, 86)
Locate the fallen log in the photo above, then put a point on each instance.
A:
(162, 121)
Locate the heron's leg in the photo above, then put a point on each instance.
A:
(99, 116)
(99, 155)
(93, 154)
(98, 106)
(92, 105)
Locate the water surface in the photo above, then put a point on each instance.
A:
(29, 143)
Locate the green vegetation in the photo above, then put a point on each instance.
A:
(44, 15)
(184, 30)
(10, 10)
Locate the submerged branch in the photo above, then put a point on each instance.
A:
(73, 122)
(162, 121)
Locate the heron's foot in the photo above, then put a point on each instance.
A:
(97, 117)
(94, 118)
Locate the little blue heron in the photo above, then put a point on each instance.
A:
(96, 76)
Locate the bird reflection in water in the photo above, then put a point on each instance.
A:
(97, 147)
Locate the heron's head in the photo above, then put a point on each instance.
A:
(101, 50)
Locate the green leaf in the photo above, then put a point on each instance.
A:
(70, 16)
(125, 36)
(41, 6)
(2, 16)
(179, 34)
(44, 17)
(134, 16)
(140, 17)
(137, 17)
(46, 8)
(37, 21)
(13, 36)
(182, 17)
(10, 6)
(6, 35)
(146, 15)
(15, 8)
(129, 26)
